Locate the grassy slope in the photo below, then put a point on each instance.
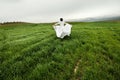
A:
(32, 51)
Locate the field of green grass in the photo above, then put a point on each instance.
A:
(33, 52)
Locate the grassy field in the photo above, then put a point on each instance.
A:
(33, 52)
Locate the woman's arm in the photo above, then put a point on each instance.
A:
(65, 23)
(55, 24)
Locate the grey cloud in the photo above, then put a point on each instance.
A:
(51, 10)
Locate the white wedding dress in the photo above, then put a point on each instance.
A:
(62, 30)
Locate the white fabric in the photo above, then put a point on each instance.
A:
(61, 23)
(62, 31)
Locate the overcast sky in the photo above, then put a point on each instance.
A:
(52, 10)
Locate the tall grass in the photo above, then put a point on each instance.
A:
(33, 52)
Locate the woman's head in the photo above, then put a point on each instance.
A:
(61, 19)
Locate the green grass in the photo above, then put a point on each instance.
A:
(33, 52)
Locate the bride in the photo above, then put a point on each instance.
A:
(62, 29)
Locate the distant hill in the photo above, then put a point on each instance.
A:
(12, 23)
(90, 19)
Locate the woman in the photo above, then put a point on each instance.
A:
(61, 22)
(62, 29)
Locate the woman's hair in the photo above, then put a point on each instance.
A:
(61, 19)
